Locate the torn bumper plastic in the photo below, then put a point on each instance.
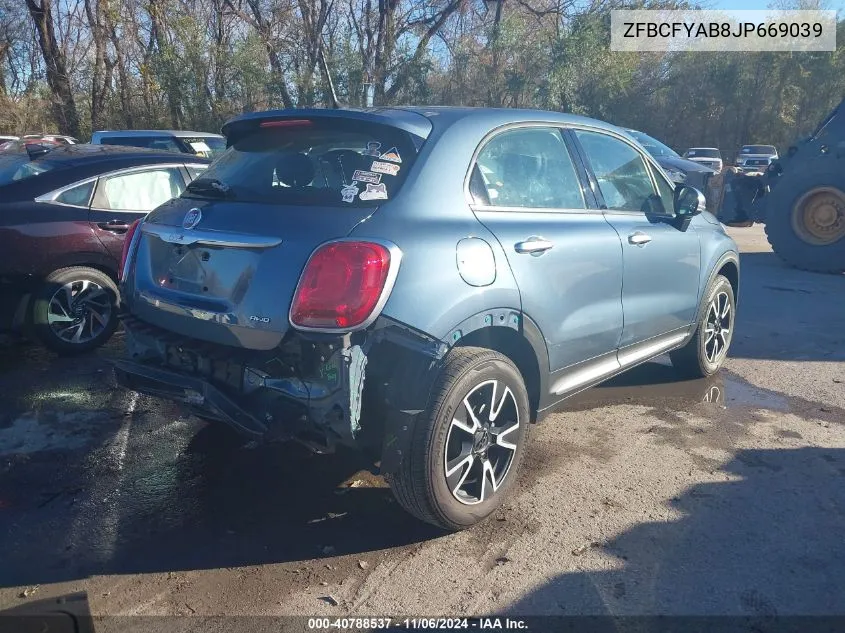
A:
(189, 390)
(261, 396)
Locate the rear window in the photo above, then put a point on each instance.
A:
(314, 162)
(758, 149)
(14, 167)
(205, 146)
(702, 153)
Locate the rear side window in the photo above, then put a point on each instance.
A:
(528, 167)
(314, 162)
(138, 190)
(195, 171)
(77, 196)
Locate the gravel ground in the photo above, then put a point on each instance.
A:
(642, 496)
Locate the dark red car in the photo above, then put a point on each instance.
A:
(63, 216)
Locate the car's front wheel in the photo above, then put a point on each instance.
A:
(75, 310)
(708, 348)
(467, 446)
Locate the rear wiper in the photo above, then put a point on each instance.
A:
(210, 187)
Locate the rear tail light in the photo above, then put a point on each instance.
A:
(342, 284)
(127, 248)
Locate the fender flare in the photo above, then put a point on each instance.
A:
(404, 409)
(724, 258)
(521, 323)
(91, 259)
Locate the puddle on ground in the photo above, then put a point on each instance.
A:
(740, 392)
(657, 384)
(54, 431)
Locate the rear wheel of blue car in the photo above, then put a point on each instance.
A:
(707, 350)
(466, 448)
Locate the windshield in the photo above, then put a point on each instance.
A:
(15, 167)
(702, 152)
(758, 149)
(311, 162)
(206, 146)
(653, 146)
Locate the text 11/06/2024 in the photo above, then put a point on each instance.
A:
(417, 624)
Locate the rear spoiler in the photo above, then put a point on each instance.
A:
(415, 124)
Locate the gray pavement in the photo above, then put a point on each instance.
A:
(647, 495)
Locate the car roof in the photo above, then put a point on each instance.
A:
(176, 133)
(420, 120)
(85, 153)
(715, 149)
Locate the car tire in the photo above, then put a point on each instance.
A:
(463, 459)
(705, 353)
(75, 310)
(805, 222)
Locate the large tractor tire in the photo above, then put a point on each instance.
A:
(805, 222)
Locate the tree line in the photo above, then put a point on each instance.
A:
(74, 66)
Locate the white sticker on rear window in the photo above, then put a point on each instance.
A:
(199, 146)
(366, 176)
(385, 168)
(349, 192)
(374, 192)
(392, 155)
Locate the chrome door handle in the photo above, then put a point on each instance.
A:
(639, 238)
(533, 245)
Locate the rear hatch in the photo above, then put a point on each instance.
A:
(222, 262)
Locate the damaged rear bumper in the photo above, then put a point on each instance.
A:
(310, 389)
(197, 393)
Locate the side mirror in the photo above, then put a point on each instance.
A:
(689, 202)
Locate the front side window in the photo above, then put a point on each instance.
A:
(666, 192)
(140, 191)
(527, 167)
(621, 172)
(311, 162)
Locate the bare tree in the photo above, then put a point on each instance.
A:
(260, 19)
(103, 64)
(55, 61)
